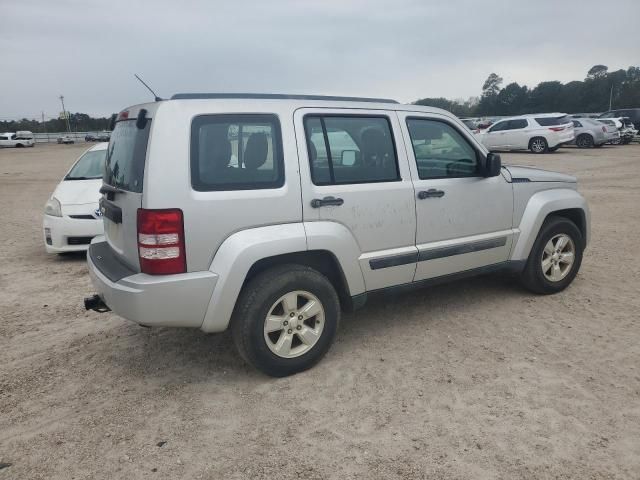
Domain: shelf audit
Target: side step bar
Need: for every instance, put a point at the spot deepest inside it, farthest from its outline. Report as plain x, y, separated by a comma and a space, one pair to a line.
96, 304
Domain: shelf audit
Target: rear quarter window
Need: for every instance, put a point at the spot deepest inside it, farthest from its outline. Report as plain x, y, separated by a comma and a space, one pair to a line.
553, 121
236, 152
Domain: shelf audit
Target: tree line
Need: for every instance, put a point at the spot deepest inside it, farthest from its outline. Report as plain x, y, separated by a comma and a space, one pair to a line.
590, 95
78, 122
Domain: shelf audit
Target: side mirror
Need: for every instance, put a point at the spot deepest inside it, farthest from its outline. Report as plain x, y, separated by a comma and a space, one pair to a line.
348, 158
492, 165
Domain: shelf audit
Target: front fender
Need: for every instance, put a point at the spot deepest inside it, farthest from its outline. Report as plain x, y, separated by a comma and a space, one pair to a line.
539, 206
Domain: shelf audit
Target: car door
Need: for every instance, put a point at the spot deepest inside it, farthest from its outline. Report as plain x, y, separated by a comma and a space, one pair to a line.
516, 135
495, 137
355, 179
464, 220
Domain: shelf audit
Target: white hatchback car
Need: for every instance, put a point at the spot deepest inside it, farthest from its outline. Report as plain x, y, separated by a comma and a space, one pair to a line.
71, 216
540, 133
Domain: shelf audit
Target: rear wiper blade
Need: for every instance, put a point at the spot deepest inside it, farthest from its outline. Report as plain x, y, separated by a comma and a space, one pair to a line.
81, 178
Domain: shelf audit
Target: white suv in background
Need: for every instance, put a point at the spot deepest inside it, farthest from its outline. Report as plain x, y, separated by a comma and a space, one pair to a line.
540, 133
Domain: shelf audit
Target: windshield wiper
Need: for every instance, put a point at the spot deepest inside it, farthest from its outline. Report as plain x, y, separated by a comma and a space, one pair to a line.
82, 178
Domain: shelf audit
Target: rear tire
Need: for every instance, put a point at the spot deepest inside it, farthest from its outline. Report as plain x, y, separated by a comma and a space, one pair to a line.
584, 140
552, 265
285, 319
538, 145
19, 145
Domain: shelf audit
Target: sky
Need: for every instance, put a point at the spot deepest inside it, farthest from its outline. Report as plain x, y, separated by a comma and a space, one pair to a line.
89, 50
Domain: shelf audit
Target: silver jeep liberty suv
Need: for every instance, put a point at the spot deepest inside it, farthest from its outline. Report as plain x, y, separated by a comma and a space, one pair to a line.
272, 214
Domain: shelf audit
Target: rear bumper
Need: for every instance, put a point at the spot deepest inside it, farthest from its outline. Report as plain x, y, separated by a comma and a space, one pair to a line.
150, 300
558, 139
62, 234
611, 136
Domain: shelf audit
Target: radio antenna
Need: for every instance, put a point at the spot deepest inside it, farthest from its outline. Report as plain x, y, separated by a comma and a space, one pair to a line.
157, 98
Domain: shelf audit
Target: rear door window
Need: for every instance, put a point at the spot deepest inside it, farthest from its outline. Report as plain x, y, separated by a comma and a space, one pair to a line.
236, 152
350, 149
126, 153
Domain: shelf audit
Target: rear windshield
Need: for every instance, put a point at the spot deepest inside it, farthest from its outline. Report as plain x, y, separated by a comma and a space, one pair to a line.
553, 121
124, 165
89, 166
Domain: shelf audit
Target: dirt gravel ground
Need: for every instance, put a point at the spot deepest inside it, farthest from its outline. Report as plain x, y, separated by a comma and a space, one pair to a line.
475, 379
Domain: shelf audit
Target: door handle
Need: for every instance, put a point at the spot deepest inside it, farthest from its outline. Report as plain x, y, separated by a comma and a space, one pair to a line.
431, 193
326, 202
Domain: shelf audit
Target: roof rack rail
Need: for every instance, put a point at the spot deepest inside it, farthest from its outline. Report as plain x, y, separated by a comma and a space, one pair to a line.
277, 96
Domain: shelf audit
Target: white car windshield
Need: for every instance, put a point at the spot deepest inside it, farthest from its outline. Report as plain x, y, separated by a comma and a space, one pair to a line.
89, 166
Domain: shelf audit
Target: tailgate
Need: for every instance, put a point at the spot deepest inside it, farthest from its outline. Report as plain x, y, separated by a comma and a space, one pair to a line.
123, 186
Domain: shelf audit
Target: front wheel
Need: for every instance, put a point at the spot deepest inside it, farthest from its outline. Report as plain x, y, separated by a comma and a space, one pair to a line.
538, 145
555, 257
286, 319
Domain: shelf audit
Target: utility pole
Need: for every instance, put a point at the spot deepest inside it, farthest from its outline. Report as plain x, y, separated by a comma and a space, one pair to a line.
64, 112
44, 127
610, 96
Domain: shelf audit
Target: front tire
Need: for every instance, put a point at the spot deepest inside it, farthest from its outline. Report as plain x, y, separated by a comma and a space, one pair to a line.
555, 257
285, 319
538, 145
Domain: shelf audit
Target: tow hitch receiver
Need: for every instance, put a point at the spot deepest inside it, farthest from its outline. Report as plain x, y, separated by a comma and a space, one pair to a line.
96, 304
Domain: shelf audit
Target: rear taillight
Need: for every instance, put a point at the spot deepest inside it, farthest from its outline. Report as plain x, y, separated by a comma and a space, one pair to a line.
161, 241
556, 129
604, 129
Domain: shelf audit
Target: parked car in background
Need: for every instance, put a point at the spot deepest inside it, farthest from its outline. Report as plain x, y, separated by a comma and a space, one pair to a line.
470, 124
25, 135
271, 221
8, 140
623, 126
592, 133
91, 137
632, 113
628, 130
540, 133
103, 136
71, 216
66, 139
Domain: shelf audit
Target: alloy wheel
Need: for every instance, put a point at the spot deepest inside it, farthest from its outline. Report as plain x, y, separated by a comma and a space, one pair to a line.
538, 145
294, 324
558, 257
